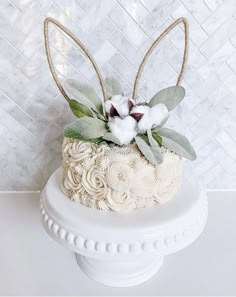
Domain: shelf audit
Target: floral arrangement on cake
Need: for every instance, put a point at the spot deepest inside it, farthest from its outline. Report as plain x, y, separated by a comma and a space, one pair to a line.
117, 154
120, 121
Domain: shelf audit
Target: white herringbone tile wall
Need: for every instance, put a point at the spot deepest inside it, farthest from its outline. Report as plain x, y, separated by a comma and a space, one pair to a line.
117, 32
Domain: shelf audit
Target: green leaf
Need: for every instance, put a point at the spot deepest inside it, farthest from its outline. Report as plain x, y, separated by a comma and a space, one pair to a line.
79, 110
144, 137
155, 147
171, 97
85, 128
111, 138
99, 116
85, 94
148, 151
157, 138
177, 143
113, 86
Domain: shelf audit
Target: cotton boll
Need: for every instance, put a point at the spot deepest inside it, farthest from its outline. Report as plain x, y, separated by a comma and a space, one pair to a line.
123, 129
121, 104
110, 109
145, 122
158, 113
140, 109
108, 106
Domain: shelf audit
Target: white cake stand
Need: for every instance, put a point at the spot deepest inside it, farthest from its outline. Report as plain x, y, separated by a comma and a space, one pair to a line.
124, 250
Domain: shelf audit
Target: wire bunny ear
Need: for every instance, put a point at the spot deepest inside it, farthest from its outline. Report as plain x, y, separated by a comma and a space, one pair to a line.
155, 43
80, 44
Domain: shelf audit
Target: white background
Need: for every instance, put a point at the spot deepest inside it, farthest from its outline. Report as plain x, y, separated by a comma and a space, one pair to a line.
117, 32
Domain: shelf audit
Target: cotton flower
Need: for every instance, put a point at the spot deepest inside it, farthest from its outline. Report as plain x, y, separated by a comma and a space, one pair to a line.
124, 129
158, 113
119, 105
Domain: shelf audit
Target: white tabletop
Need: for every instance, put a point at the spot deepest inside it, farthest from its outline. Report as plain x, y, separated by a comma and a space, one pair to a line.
31, 263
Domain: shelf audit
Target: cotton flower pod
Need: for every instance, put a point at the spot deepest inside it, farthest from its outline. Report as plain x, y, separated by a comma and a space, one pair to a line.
120, 103
124, 129
137, 112
158, 113
108, 106
110, 109
144, 123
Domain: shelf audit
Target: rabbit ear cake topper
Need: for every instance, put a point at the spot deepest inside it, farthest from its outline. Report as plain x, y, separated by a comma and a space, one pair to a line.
89, 56
80, 44
115, 141
156, 42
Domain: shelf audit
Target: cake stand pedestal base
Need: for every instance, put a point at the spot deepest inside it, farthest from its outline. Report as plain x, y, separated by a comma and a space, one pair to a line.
124, 249
120, 273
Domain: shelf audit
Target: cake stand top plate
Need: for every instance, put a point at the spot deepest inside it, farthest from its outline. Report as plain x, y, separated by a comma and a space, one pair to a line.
178, 222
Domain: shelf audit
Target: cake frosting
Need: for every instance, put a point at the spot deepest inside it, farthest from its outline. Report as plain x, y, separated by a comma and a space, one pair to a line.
117, 178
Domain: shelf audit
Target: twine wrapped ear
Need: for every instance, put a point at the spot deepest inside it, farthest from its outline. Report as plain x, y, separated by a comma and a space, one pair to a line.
80, 44
156, 42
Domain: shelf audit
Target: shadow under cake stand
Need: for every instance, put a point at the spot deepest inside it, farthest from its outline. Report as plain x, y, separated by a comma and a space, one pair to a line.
118, 249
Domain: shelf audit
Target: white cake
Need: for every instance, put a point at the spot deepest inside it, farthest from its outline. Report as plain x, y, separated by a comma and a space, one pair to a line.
117, 178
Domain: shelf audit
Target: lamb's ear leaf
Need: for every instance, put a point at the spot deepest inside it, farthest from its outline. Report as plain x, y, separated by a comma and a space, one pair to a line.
85, 94
177, 143
148, 151
98, 115
75, 135
113, 86
71, 87
170, 96
155, 147
111, 138
144, 137
157, 138
85, 128
79, 110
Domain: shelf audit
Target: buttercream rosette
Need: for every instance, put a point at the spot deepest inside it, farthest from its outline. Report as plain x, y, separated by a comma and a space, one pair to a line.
117, 178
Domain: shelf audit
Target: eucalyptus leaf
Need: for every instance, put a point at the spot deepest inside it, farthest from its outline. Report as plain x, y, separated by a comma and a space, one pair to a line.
85, 94
113, 86
177, 143
148, 151
171, 97
111, 138
85, 128
79, 110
